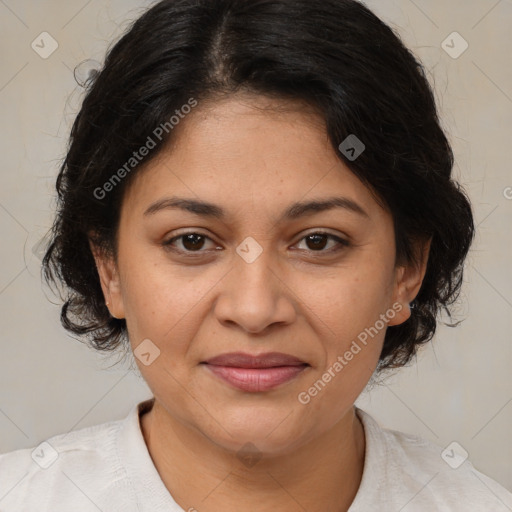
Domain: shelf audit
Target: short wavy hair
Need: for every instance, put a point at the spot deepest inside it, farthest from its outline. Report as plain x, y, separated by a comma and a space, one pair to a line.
335, 55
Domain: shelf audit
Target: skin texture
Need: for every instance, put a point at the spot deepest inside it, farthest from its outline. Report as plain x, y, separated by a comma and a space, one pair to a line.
297, 297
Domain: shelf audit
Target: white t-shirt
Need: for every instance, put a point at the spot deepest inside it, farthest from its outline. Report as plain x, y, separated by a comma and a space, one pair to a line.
108, 468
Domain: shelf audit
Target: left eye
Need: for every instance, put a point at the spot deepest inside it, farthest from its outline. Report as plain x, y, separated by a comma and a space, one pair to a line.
318, 241
194, 242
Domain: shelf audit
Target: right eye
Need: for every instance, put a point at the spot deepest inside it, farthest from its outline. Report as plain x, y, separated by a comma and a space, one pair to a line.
191, 242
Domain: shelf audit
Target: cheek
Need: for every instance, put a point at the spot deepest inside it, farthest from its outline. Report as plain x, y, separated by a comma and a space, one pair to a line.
166, 303
348, 301
346, 315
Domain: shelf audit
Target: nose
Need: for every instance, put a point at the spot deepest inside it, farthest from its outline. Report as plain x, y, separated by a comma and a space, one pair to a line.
255, 296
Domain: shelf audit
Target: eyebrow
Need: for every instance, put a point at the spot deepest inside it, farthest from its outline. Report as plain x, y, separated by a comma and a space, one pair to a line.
294, 211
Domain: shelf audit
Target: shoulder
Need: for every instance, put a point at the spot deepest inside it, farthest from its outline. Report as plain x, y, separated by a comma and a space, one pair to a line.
32, 478
411, 473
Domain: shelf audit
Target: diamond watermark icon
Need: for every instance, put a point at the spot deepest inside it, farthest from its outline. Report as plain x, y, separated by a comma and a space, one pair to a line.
44, 45
44, 455
249, 455
352, 147
146, 352
34, 250
249, 250
454, 45
454, 455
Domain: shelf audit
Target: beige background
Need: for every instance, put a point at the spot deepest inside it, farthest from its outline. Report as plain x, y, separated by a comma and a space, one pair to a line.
459, 390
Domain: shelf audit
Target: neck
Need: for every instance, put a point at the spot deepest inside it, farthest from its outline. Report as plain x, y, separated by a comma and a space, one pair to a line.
323, 474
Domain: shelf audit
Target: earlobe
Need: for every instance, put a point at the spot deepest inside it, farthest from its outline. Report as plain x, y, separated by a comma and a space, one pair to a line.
402, 313
409, 278
109, 280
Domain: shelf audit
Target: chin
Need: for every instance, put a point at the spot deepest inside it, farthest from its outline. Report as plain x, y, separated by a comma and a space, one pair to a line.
270, 431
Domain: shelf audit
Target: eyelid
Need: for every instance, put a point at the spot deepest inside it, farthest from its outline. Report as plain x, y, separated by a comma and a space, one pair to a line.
167, 243
321, 231
341, 241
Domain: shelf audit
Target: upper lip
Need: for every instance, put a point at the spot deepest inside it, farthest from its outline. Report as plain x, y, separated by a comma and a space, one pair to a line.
243, 360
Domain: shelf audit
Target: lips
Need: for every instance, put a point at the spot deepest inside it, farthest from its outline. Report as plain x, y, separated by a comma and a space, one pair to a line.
267, 360
255, 373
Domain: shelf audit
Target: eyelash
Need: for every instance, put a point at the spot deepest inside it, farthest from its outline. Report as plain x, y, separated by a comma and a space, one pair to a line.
342, 243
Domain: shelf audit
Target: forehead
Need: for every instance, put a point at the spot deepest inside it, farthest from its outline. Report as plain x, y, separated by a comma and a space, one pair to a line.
248, 151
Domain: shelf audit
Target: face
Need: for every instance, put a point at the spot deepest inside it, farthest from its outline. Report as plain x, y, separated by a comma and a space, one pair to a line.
255, 271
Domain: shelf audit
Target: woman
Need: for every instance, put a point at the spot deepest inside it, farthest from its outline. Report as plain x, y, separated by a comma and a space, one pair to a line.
257, 201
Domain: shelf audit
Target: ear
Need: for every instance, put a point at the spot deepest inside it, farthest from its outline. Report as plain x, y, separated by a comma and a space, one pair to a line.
408, 280
109, 279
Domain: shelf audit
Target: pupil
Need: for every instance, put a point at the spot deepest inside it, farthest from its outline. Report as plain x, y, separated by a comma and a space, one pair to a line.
316, 239
193, 240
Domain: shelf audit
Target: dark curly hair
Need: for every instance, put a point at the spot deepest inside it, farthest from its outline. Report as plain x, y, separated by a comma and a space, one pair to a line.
335, 55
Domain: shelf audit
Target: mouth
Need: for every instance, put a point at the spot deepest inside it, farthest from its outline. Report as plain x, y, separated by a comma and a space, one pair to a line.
255, 373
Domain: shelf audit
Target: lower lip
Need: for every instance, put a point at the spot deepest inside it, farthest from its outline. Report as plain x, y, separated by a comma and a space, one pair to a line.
256, 379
